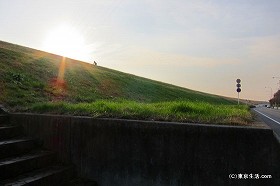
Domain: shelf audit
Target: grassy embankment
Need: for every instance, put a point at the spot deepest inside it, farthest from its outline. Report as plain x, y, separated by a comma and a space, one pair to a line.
180, 111
28, 82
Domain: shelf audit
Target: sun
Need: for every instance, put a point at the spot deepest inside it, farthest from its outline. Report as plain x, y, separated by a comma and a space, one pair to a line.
65, 40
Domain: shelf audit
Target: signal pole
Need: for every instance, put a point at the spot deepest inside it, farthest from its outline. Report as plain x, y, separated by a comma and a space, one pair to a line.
238, 90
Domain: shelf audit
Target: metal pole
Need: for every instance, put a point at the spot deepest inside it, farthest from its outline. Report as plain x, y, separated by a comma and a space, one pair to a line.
238, 98
270, 91
279, 81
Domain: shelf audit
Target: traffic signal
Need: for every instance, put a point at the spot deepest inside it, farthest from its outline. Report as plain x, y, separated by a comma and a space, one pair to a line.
238, 81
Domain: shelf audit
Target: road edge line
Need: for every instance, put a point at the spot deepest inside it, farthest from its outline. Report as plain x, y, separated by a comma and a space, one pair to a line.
267, 116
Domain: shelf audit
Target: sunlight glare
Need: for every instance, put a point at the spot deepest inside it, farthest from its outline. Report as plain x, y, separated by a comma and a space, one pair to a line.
67, 41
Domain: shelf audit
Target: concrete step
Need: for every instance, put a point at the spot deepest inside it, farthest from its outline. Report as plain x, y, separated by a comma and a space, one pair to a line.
50, 176
22, 164
13, 147
3, 119
11, 167
7, 132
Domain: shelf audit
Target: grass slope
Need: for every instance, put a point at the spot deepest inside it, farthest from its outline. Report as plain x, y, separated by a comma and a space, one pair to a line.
29, 77
179, 111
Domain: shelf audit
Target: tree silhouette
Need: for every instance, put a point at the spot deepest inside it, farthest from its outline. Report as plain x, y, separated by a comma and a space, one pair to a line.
276, 99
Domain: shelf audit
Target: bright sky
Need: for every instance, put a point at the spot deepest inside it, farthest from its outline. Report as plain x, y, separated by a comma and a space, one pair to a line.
203, 45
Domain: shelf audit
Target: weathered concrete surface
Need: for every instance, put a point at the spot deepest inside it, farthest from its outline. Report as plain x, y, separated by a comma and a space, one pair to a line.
122, 152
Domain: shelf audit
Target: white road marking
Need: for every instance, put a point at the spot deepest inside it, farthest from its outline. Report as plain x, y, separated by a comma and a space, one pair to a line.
268, 117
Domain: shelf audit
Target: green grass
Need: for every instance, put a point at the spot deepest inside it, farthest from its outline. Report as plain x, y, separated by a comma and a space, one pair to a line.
28, 77
180, 111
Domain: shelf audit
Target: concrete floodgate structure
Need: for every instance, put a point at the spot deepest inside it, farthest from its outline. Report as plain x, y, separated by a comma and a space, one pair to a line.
132, 153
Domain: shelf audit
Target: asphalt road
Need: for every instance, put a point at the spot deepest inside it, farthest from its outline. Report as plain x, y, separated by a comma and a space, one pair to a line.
271, 117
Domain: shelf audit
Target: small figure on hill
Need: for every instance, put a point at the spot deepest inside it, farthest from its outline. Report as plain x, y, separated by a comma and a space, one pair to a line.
95, 63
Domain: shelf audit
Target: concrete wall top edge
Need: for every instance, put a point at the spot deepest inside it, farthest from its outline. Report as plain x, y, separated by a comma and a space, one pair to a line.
143, 122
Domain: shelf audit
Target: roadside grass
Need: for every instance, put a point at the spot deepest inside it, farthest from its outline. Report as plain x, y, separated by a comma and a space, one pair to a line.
179, 111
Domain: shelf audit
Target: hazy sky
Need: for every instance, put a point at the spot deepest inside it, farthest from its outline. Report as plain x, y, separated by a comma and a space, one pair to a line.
202, 45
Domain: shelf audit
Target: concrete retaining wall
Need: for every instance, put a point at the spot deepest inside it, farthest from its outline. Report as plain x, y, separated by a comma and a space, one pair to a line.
131, 153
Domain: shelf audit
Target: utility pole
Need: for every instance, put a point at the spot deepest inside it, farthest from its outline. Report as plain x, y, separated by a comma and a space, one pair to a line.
270, 91
278, 82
